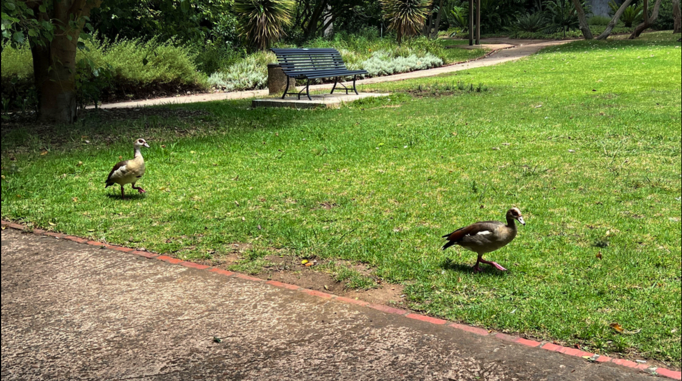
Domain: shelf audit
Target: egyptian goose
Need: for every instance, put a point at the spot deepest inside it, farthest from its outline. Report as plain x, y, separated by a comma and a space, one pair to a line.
129, 171
484, 237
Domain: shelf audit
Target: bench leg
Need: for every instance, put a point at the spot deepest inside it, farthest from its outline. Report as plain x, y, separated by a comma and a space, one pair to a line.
336, 80
355, 88
286, 89
307, 90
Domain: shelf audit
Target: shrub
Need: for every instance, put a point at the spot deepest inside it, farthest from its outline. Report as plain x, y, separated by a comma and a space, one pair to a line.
249, 73
215, 56
562, 16
531, 23
665, 20
599, 20
105, 68
383, 63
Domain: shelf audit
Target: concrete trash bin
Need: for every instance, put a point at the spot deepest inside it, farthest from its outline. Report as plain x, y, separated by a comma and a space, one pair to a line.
277, 80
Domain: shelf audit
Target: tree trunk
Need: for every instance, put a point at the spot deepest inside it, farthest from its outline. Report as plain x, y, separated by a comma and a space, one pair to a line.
647, 20
54, 61
315, 19
605, 34
584, 27
427, 22
434, 34
677, 15
54, 66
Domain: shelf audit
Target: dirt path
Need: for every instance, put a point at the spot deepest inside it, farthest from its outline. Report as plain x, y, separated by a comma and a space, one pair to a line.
76, 311
520, 49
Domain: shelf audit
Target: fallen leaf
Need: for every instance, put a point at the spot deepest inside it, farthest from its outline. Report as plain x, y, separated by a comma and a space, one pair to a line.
50, 223
120, 158
43, 153
599, 255
308, 264
75, 199
79, 163
616, 327
303, 262
325, 287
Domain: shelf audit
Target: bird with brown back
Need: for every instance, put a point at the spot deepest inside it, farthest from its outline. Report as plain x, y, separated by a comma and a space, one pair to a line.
486, 236
129, 171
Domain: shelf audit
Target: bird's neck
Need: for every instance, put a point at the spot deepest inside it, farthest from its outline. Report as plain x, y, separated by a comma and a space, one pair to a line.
137, 154
511, 223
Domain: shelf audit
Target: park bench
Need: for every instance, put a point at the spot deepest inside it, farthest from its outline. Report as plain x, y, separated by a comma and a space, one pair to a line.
314, 63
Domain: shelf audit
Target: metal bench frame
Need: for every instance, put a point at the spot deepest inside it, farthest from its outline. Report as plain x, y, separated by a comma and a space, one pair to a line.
314, 63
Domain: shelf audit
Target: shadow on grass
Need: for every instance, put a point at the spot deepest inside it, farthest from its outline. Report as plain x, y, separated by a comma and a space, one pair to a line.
448, 264
132, 196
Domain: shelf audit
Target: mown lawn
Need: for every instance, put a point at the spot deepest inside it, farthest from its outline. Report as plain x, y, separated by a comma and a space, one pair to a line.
583, 138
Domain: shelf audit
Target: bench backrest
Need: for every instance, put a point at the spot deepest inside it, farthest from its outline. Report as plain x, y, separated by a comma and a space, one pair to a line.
299, 61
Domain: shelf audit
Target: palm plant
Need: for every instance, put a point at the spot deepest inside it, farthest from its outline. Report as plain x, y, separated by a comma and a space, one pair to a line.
530, 22
406, 17
262, 22
562, 15
459, 17
632, 14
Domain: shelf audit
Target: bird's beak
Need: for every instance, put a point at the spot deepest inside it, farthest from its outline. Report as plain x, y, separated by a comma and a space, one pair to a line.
146, 145
521, 220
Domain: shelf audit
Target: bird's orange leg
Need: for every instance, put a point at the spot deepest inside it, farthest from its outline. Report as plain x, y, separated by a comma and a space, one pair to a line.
139, 189
497, 266
477, 269
123, 196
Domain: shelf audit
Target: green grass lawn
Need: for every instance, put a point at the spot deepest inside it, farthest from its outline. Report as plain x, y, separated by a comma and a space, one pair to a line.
583, 138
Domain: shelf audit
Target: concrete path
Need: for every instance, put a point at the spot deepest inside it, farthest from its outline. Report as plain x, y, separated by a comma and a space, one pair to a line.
77, 312
522, 48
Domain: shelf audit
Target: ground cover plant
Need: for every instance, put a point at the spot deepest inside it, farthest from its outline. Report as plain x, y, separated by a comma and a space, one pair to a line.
584, 138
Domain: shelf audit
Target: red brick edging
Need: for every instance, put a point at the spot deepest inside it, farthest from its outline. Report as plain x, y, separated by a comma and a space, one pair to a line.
675, 375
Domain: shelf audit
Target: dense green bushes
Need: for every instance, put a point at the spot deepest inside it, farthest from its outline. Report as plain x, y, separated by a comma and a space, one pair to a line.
108, 71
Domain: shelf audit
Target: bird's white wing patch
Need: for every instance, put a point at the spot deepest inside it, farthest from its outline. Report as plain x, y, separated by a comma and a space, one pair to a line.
120, 172
484, 232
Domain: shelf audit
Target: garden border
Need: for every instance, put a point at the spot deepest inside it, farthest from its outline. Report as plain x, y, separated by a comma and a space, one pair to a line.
592, 357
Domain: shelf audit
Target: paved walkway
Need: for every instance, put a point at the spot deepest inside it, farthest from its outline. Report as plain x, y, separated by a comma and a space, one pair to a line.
520, 49
77, 312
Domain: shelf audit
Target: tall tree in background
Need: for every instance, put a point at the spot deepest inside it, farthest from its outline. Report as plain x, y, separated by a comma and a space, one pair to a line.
605, 34
439, 16
262, 22
648, 20
406, 17
315, 16
584, 27
677, 15
53, 28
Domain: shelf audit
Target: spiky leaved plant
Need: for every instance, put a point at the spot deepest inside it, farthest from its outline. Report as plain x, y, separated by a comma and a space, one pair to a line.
262, 22
406, 17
